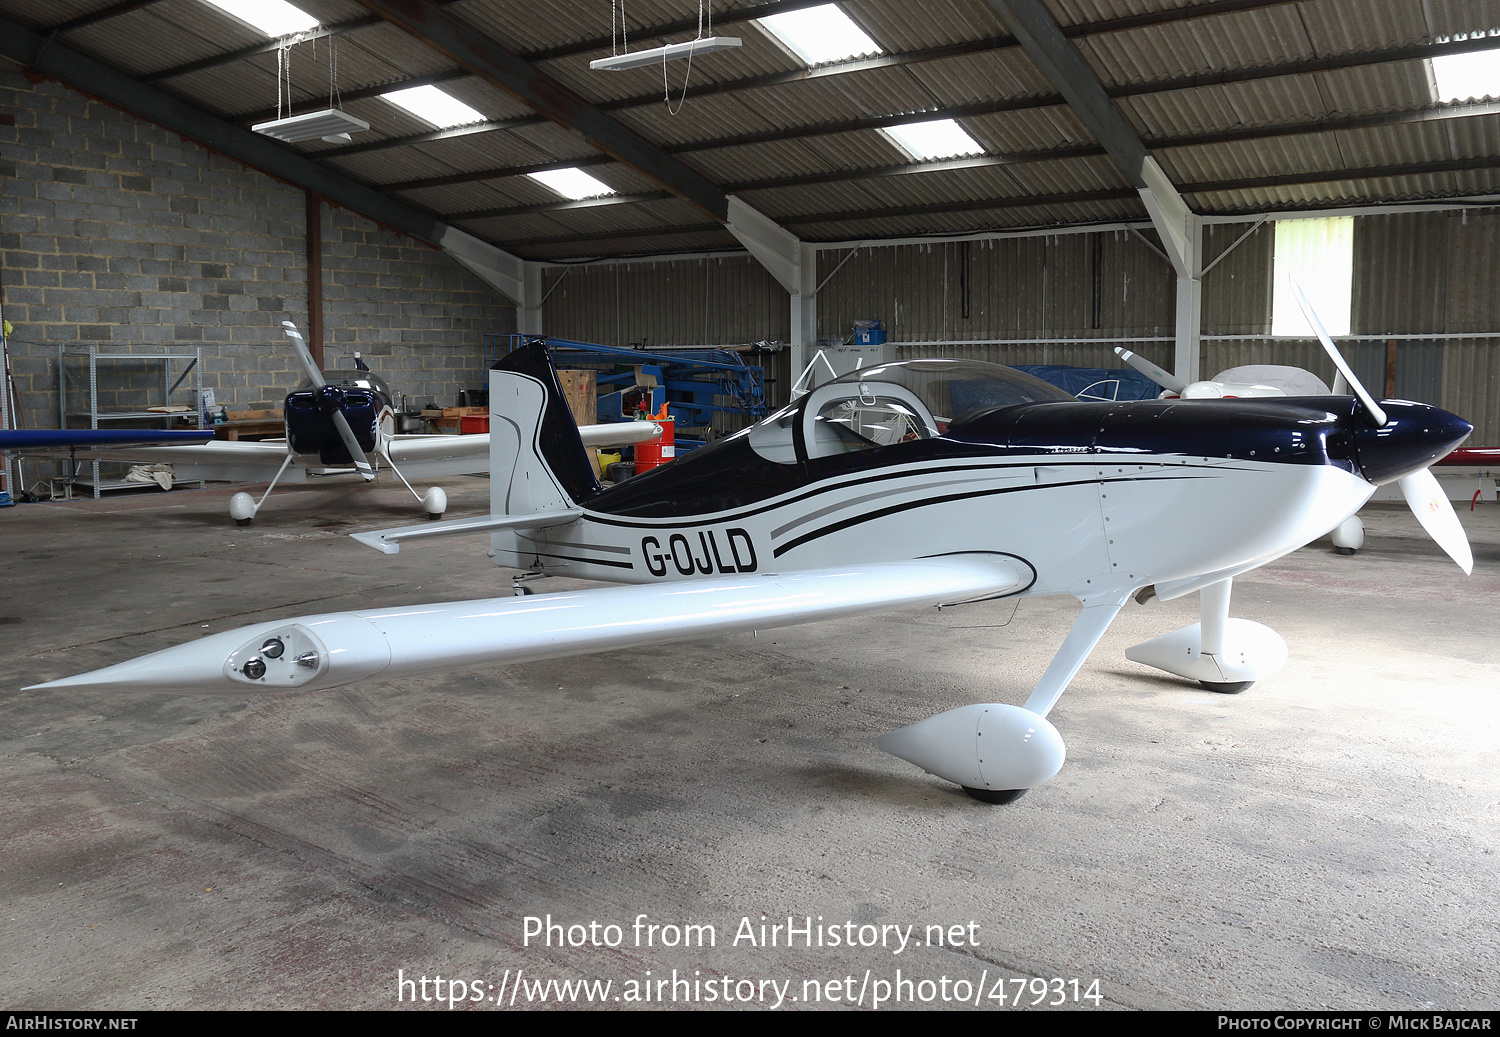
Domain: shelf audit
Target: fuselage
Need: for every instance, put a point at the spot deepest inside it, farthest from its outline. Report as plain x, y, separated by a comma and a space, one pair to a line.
1080, 493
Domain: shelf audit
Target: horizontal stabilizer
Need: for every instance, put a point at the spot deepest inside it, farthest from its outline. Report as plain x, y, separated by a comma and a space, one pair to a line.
428, 456
388, 541
619, 433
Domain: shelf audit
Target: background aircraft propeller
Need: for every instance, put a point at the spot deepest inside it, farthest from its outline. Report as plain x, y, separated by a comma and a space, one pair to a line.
1423, 495
340, 422
1163, 378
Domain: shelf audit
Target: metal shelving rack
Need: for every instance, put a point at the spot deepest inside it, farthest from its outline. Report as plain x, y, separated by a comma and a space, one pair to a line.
65, 382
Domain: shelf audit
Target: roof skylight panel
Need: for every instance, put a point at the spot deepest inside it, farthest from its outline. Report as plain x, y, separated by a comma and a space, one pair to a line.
573, 183
819, 35
275, 18
939, 138
432, 105
1458, 77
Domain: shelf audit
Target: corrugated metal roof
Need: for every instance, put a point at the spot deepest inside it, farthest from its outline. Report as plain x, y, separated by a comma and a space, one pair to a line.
169, 33
978, 77
163, 35
927, 24
54, 12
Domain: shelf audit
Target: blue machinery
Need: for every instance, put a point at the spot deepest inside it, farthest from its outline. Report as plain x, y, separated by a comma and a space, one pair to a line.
697, 385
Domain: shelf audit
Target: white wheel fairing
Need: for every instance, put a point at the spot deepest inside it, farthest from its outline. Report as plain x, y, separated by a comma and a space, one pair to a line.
988, 745
1251, 652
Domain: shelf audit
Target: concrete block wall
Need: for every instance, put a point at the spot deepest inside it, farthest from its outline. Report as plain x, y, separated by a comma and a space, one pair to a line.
418, 318
117, 233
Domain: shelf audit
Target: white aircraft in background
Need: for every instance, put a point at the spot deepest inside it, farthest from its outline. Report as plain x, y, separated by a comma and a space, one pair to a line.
922, 482
345, 421
1256, 380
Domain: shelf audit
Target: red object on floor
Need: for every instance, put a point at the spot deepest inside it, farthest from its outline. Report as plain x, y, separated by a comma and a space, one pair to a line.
658, 451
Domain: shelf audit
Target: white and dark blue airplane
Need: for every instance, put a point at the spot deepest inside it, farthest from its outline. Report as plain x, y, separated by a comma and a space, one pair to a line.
342, 420
916, 483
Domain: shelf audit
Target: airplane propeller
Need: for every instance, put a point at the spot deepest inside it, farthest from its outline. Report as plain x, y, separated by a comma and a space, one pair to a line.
340, 422
1377, 414
1423, 495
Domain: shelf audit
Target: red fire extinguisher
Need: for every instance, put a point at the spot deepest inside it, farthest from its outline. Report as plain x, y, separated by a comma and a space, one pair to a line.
659, 451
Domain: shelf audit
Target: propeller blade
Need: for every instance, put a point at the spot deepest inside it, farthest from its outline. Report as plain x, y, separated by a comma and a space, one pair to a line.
1165, 379
304, 354
1430, 504
356, 454
1377, 415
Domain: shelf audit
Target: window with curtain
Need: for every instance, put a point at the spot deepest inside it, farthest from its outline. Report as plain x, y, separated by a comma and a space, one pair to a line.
1320, 255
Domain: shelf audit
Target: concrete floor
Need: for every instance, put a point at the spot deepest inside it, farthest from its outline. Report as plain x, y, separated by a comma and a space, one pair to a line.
1326, 839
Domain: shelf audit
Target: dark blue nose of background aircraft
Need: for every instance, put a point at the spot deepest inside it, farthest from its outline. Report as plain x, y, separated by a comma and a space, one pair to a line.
1413, 437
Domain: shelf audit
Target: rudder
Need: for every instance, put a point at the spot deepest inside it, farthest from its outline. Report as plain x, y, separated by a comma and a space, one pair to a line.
537, 459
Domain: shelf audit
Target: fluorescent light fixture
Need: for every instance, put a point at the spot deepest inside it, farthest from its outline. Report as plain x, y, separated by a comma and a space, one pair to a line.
432, 105
331, 125
272, 17
657, 55
573, 183
819, 35
1459, 77
940, 138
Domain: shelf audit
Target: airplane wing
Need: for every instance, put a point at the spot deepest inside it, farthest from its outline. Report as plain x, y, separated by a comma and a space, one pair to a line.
24, 441
220, 460
327, 651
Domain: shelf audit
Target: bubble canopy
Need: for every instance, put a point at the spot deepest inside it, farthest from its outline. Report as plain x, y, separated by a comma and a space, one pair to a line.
893, 403
956, 390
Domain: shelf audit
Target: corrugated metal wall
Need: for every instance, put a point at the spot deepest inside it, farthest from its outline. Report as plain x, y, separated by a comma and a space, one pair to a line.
1237, 287
716, 301
1091, 286
1471, 367
1433, 273
1415, 273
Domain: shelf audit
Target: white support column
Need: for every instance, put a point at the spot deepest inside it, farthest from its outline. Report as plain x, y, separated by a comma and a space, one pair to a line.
1190, 311
497, 268
805, 308
1181, 232
529, 312
793, 264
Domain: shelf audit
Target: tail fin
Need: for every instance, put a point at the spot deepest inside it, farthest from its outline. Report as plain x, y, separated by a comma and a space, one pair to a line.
537, 460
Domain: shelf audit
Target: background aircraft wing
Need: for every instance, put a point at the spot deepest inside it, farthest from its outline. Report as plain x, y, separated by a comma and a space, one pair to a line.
25, 441
217, 460
266, 452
